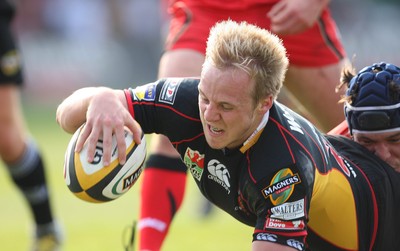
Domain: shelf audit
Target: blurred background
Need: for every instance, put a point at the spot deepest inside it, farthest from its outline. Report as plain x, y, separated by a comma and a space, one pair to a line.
68, 44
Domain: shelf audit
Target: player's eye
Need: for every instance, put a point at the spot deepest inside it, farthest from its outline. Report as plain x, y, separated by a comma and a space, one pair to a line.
394, 140
366, 141
227, 107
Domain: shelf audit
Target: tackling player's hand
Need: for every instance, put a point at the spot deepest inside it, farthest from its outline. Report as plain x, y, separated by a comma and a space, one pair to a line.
295, 16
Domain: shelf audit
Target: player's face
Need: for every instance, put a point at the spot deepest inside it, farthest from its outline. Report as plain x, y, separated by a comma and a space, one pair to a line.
385, 145
227, 110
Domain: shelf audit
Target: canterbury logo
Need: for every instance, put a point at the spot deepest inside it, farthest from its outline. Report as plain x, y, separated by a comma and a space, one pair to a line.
219, 174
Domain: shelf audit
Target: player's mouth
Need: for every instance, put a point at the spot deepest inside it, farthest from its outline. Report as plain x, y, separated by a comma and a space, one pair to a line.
215, 130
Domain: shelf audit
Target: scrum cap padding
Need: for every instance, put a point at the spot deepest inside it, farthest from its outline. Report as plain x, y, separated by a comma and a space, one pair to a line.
375, 103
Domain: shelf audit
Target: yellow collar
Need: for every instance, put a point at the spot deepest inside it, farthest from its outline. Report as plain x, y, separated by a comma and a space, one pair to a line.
256, 134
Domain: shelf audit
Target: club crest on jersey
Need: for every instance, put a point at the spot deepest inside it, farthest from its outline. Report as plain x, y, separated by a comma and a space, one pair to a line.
146, 92
169, 89
195, 162
281, 186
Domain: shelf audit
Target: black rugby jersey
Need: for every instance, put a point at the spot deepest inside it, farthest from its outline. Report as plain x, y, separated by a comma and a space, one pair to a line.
288, 181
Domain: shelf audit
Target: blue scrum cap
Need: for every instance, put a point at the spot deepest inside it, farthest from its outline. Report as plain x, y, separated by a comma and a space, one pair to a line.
375, 103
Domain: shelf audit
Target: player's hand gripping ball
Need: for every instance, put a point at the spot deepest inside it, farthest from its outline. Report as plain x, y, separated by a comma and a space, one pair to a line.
93, 182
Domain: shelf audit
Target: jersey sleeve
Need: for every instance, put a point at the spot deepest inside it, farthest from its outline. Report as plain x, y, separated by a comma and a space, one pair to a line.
282, 208
168, 107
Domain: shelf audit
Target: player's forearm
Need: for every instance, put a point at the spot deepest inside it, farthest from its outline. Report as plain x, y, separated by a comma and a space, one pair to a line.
71, 113
270, 246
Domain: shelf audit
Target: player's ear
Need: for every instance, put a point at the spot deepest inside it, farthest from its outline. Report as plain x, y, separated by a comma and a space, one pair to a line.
265, 104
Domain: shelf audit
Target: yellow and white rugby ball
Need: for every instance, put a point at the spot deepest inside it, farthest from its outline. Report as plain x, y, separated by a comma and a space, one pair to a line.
93, 182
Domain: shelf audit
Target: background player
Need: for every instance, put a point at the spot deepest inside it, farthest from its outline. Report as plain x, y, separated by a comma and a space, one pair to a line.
372, 104
316, 57
17, 149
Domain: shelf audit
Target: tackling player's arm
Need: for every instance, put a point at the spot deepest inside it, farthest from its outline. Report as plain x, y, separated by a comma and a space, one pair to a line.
295, 16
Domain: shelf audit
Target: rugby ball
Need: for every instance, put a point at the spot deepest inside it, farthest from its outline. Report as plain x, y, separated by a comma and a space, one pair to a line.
94, 182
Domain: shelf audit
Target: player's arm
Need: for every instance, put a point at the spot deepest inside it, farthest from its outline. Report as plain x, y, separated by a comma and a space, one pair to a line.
264, 246
278, 228
71, 113
105, 112
295, 16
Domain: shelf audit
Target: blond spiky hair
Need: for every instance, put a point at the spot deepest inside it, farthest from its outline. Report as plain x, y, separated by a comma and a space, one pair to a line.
256, 51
